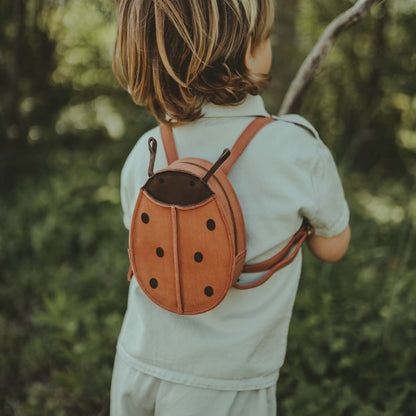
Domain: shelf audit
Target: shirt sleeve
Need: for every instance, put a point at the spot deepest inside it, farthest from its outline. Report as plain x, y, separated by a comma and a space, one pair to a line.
125, 206
125, 198
329, 213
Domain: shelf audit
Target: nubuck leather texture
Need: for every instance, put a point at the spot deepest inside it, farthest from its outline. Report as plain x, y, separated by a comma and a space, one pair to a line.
187, 241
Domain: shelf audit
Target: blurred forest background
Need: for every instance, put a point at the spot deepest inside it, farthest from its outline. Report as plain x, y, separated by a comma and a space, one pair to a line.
66, 128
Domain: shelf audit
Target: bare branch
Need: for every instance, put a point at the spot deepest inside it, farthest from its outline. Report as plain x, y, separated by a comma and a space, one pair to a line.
321, 49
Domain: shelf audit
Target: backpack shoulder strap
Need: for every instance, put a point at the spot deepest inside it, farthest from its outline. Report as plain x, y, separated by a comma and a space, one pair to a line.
168, 143
245, 138
281, 259
238, 148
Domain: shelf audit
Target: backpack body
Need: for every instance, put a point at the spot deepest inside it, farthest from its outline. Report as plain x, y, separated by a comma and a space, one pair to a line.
187, 241
187, 248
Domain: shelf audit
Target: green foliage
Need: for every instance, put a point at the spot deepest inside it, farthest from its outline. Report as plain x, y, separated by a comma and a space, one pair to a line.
63, 246
354, 324
62, 295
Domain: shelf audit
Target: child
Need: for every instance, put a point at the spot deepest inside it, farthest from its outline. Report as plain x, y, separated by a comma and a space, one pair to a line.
199, 65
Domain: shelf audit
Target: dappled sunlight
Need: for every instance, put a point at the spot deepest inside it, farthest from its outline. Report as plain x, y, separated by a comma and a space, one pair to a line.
403, 6
85, 37
99, 112
27, 105
35, 133
406, 134
407, 139
109, 192
381, 208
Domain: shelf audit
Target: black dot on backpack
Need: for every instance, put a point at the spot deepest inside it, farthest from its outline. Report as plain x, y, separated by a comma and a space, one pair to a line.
209, 291
161, 180
192, 183
153, 283
145, 218
160, 252
211, 225
198, 257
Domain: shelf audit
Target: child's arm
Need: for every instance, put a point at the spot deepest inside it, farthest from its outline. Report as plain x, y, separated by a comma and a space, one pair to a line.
330, 248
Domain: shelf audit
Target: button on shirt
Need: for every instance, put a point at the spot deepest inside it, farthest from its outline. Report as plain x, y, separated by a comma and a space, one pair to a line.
286, 173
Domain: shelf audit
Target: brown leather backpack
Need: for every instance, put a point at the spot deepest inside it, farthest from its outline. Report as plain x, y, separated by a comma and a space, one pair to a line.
187, 242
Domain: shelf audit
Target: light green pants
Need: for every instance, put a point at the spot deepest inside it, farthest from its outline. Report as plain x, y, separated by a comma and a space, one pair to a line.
137, 394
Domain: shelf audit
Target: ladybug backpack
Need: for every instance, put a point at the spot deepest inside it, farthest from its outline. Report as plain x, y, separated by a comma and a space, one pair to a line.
187, 242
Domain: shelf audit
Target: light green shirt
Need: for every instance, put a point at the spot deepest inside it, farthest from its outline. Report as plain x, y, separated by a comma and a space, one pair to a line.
286, 173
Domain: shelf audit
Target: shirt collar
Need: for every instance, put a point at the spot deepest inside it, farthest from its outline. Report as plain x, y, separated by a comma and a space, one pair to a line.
252, 106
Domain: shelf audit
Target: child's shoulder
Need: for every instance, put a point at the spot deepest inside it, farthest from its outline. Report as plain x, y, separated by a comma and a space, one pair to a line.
142, 144
139, 153
299, 125
292, 135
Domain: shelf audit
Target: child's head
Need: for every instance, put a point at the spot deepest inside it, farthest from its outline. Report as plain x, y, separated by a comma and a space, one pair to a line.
172, 55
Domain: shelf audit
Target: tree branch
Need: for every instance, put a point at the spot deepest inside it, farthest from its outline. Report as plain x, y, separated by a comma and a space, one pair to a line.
321, 49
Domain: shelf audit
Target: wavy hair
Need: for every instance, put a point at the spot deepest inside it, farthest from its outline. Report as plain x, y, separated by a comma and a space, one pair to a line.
174, 55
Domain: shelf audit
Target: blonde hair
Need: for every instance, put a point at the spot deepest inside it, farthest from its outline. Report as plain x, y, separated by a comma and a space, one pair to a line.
174, 55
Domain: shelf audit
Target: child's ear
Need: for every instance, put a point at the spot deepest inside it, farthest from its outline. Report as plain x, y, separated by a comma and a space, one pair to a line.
248, 57
259, 60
